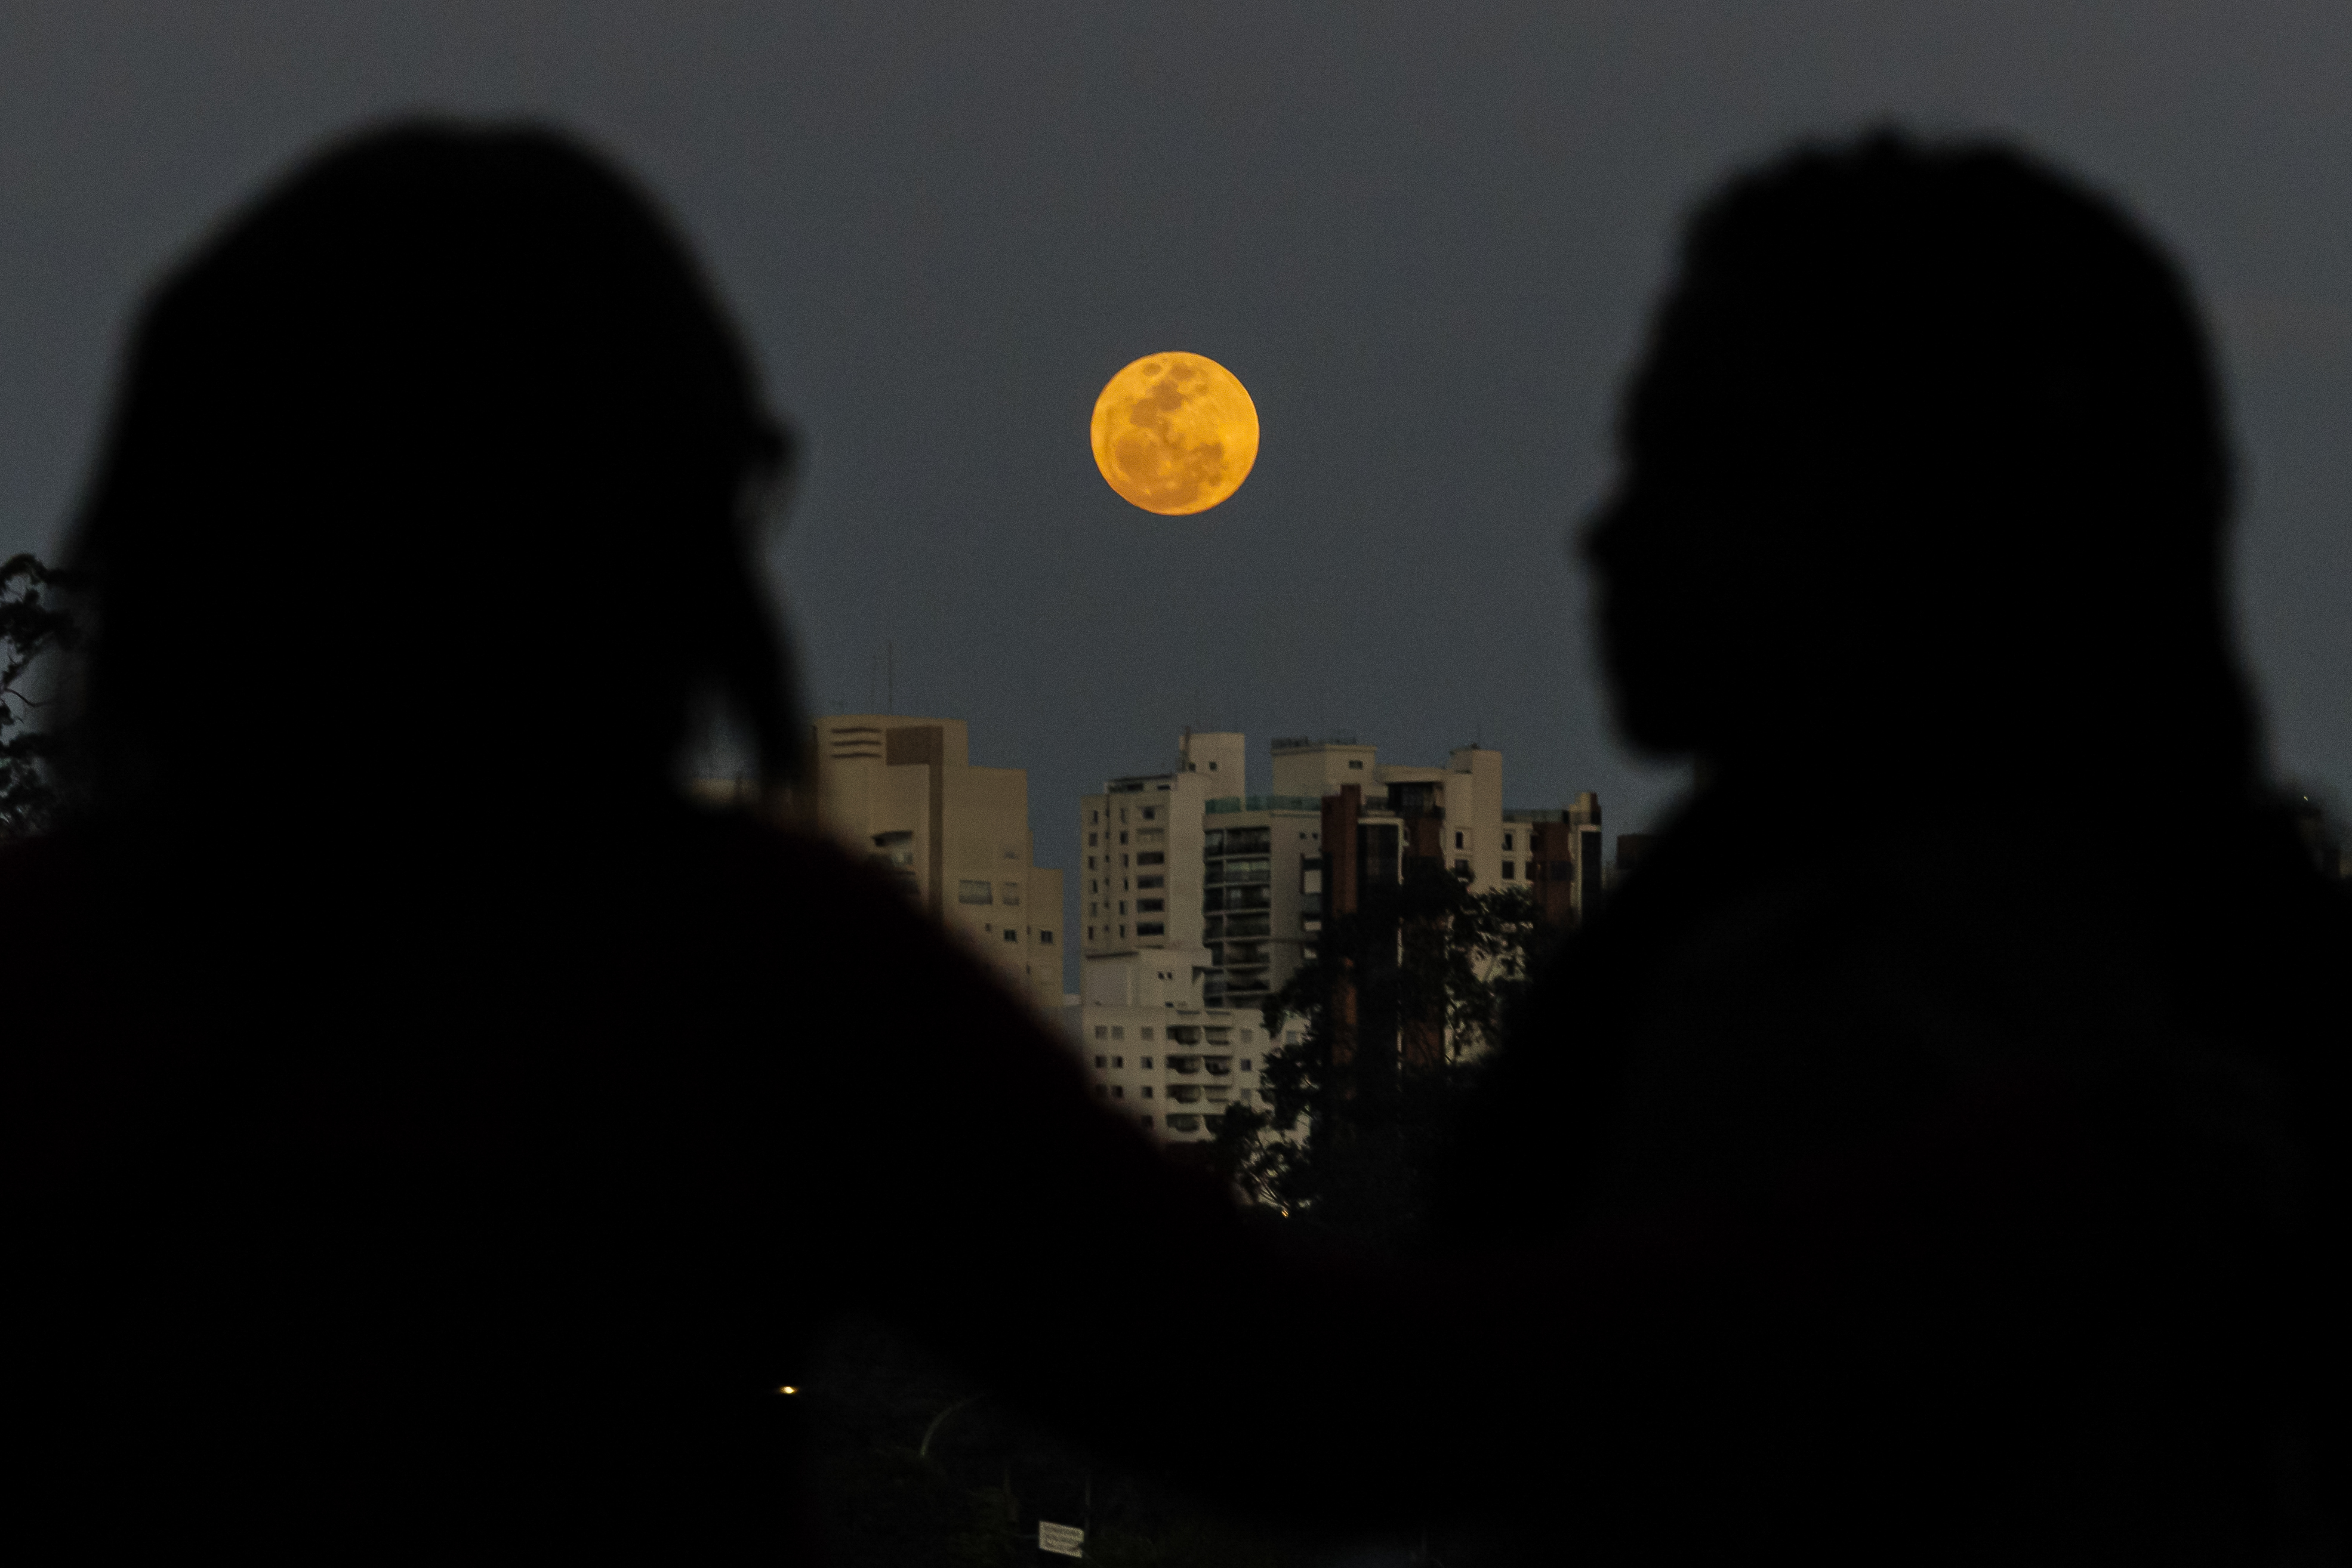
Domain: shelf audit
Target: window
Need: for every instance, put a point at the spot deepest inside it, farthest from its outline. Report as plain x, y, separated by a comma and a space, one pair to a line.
1118, 1091
1100, 1061
1090, 862
1093, 886
1122, 907
1090, 932
1122, 838
1355, 763
1146, 1061
1245, 1063
1100, 1033
1152, 857
1122, 817
1507, 842
1458, 841
1149, 905
1122, 860
1290, 1038
1010, 934
1118, 1061
1152, 928
1144, 1033
1510, 870
1044, 938
1151, 882
1183, 1123
1117, 1032
1147, 1092
975, 891
1094, 817
1147, 811
1122, 930
1090, 841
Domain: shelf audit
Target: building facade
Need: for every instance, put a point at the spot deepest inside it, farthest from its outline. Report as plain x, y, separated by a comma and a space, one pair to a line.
901, 792
1199, 899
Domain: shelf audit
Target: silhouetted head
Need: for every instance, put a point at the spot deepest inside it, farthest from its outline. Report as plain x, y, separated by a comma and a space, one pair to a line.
433, 473
1925, 461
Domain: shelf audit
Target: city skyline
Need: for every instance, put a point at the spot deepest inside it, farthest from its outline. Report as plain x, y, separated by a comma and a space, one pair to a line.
1429, 252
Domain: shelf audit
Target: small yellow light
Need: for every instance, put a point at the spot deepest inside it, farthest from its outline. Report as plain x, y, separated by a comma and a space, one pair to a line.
788, 1388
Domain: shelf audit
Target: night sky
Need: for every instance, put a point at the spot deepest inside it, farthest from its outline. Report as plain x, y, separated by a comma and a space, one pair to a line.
1426, 239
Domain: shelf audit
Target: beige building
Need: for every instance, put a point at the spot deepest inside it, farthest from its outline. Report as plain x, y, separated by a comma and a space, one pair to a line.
1198, 900
1155, 1052
902, 794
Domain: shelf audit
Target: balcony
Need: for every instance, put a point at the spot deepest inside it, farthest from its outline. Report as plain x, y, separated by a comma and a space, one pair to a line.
1180, 1123
1184, 1093
1184, 1064
1230, 803
1218, 1066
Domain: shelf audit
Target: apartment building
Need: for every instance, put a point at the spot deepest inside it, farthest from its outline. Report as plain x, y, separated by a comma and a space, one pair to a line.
1560, 857
1155, 1049
1199, 899
901, 792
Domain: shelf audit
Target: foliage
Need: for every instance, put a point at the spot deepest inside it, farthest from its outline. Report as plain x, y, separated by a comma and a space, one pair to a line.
1400, 1002
34, 622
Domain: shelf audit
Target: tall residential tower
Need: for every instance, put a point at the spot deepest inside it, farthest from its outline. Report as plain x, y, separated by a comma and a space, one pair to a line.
1198, 900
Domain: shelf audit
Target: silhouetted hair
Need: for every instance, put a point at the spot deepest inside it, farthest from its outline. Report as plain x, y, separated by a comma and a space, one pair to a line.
440, 458
1965, 410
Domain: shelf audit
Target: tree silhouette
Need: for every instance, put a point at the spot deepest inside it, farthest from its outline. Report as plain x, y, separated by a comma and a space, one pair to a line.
1401, 1002
34, 620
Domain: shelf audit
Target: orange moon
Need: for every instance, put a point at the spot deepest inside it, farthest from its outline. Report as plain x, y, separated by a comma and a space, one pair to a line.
1175, 433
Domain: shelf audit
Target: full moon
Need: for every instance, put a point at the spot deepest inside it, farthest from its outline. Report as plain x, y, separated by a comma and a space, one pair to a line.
1175, 433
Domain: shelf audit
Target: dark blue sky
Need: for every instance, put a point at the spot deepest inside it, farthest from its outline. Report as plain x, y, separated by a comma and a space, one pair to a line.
1424, 238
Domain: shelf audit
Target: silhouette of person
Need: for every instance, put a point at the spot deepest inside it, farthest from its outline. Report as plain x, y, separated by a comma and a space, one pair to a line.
430, 1138
1963, 1031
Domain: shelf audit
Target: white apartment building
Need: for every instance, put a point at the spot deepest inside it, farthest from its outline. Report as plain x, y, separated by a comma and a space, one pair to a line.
901, 792
1199, 899
1155, 1050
